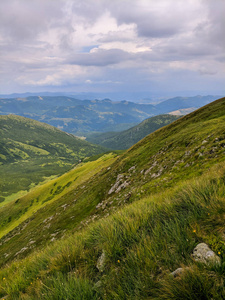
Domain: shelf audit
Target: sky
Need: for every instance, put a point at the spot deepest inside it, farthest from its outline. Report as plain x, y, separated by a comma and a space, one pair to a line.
142, 47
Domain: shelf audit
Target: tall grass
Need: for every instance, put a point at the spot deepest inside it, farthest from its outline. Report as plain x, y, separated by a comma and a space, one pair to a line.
143, 244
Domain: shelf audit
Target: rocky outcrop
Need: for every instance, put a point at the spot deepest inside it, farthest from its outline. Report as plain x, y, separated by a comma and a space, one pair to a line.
119, 185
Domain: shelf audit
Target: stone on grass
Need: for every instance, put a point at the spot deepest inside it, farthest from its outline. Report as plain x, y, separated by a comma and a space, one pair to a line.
177, 272
202, 253
101, 262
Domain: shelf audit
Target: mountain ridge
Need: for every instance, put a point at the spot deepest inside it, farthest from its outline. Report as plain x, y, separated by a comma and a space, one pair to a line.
82, 116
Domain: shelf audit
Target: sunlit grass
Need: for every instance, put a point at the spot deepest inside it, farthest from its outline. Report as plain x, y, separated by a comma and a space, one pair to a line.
75, 177
143, 243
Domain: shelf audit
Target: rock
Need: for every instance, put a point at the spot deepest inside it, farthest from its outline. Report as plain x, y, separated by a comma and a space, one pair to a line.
177, 272
202, 253
152, 166
132, 169
98, 285
64, 206
119, 185
116, 185
101, 262
122, 186
21, 251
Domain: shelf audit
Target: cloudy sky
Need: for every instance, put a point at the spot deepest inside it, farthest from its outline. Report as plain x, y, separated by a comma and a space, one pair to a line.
163, 47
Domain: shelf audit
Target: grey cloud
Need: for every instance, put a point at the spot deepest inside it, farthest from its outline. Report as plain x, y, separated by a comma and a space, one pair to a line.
118, 36
204, 71
191, 30
210, 32
21, 20
89, 11
149, 28
151, 20
99, 58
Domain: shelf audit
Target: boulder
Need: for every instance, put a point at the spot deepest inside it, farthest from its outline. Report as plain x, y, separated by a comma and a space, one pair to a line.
202, 253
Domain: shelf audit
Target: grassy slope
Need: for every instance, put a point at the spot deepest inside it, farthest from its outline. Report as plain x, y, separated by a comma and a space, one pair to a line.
37, 149
142, 243
48, 193
184, 149
127, 138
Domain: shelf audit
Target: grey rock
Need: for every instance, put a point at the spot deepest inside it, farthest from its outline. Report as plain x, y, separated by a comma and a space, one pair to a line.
21, 251
98, 285
132, 169
177, 272
202, 253
101, 262
119, 181
152, 166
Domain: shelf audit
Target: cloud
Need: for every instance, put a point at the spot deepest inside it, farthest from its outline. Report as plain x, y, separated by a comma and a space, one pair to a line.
22, 20
119, 44
100, 57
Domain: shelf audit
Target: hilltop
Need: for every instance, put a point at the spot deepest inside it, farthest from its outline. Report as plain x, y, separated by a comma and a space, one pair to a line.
153, 204
127, 138
40, 150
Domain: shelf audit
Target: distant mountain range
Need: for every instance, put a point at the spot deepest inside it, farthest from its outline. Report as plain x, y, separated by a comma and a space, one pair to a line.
82, 116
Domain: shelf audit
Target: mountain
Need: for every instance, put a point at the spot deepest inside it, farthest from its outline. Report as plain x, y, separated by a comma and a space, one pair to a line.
178, 103
78, 116
117, 227
30, 151
127, 138
82, 116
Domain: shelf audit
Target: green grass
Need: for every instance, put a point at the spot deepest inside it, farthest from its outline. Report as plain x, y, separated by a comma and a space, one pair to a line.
23, 208
143, 243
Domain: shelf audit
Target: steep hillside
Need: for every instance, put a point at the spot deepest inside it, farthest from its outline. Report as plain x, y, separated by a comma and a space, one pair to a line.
130, 254
133, 253
37, 149
129, 137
